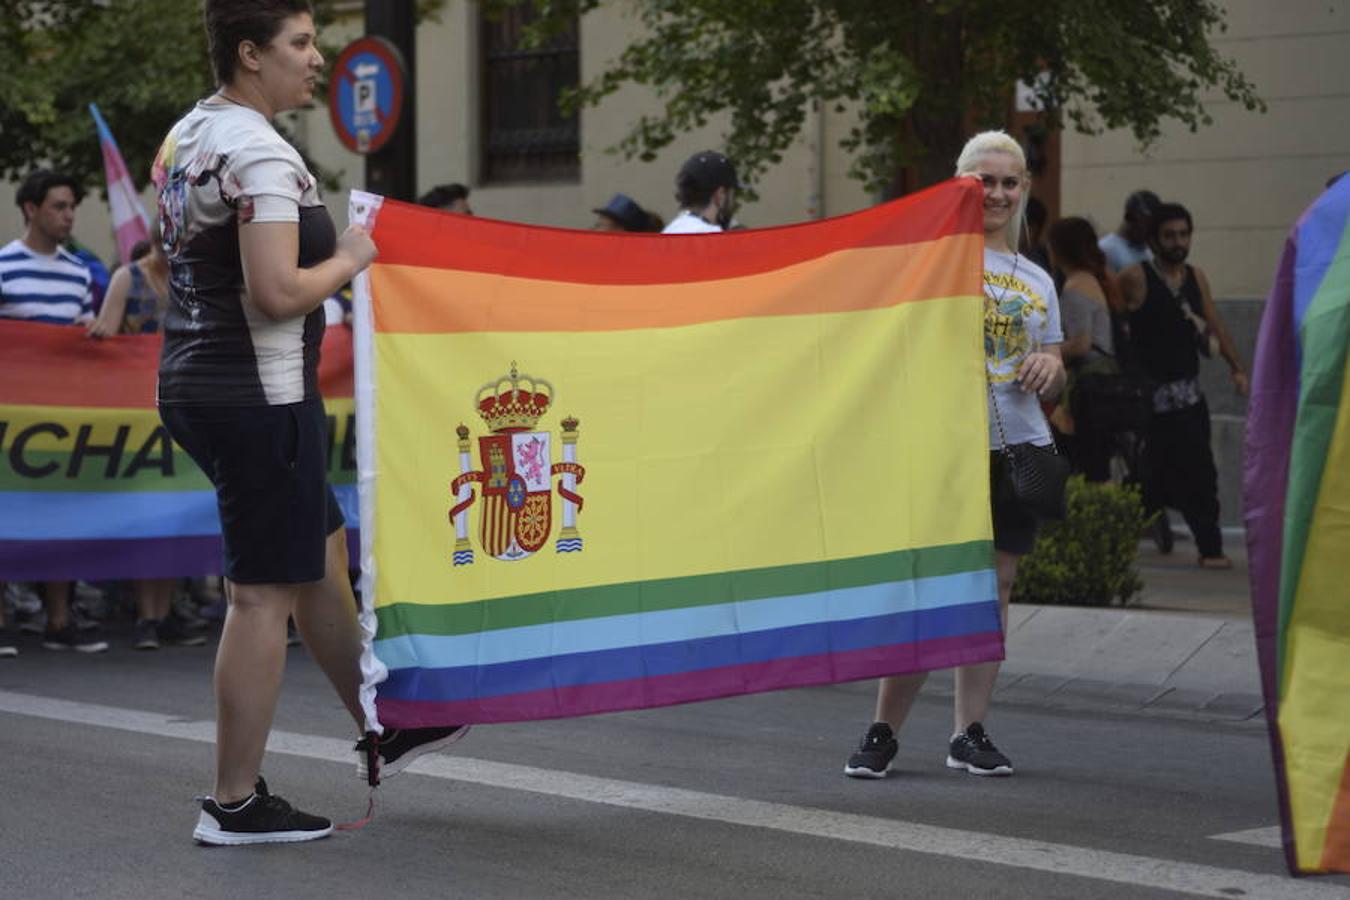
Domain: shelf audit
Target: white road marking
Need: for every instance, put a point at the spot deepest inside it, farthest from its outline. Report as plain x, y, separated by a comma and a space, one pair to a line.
1260, 837
967, 846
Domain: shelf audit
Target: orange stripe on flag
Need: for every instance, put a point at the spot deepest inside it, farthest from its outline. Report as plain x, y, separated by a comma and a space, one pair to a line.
412, 300
1336, 850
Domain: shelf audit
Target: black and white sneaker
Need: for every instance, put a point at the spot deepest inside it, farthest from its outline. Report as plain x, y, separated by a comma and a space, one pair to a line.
145, 635
973, 751
70, 638
263, 818
873, 757
398, 747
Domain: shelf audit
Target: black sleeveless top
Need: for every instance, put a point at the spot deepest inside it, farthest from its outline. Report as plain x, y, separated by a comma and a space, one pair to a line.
1162, 338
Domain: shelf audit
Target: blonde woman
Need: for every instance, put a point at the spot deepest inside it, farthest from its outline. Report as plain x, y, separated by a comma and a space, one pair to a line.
1021, 342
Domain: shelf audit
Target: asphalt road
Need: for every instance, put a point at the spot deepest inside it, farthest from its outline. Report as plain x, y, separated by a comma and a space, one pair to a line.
737, 798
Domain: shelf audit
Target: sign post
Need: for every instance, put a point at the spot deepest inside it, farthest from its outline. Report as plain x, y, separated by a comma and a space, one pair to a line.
371, 90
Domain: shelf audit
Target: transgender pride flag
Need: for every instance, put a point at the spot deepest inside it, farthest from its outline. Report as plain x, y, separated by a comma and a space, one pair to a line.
128, 215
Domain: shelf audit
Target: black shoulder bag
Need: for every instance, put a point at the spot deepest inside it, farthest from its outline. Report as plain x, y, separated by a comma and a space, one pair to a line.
1036, 475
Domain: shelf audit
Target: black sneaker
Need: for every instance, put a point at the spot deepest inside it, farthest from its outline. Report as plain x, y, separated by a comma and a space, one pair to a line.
69, 638
261, 819
973, 751
145, 636
400, 746
873, 757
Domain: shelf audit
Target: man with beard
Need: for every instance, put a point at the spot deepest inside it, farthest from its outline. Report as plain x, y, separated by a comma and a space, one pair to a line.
1173, 321
705, 188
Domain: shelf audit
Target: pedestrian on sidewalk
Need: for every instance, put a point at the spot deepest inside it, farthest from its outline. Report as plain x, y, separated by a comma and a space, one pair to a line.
1173, 322
254, 255
705, 188
1129, 243
1021, 341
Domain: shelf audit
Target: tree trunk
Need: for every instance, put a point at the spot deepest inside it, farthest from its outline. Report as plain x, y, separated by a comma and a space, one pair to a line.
934, 131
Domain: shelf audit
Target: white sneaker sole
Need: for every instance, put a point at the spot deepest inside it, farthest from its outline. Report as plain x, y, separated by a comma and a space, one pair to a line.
389, 770
214, 837
1000, 771
864, 772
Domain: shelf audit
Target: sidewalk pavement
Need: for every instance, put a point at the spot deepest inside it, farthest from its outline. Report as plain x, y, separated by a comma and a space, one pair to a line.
1183, 646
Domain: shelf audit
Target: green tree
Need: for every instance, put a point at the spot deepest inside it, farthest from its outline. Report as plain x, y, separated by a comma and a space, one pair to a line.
918, 73
144, 62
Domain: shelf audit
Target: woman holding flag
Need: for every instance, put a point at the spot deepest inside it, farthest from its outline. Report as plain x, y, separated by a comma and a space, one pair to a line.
252, 256
1021, 338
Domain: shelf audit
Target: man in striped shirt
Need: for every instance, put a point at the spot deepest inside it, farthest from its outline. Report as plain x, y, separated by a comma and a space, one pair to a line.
41, 281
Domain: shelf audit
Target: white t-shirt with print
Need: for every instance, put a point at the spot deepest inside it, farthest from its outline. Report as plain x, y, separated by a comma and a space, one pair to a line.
1021, 314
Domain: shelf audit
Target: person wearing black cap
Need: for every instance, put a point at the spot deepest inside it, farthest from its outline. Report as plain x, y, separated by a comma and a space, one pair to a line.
622, 213
705, 188
1128, 244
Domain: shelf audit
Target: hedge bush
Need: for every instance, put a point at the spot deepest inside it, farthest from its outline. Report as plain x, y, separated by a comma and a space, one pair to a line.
1089, 558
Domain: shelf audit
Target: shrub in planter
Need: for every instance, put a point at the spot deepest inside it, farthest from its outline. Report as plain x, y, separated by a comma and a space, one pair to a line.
1089, 558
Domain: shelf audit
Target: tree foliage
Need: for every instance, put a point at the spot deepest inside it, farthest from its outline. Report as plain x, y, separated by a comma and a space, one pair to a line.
144, 62
917, 74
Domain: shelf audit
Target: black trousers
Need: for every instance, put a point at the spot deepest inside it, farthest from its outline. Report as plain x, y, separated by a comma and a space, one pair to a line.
1178, 471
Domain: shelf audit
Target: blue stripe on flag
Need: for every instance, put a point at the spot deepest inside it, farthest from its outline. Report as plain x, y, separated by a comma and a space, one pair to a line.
685, 624
58, 515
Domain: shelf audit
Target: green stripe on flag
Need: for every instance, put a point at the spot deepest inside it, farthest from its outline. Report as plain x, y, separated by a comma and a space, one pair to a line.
399, 619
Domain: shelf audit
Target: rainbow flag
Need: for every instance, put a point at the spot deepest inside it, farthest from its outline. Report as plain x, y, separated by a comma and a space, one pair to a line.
1297, 492
605, 472
91, 486
130, 223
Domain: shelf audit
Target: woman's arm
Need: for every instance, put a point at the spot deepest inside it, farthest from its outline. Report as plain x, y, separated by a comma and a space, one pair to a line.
275, 282
114, 310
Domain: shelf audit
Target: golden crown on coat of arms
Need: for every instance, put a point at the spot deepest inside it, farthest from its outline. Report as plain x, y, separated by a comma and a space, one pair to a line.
514, 402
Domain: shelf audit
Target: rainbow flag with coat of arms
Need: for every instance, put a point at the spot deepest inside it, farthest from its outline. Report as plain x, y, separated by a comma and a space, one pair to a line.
605, 472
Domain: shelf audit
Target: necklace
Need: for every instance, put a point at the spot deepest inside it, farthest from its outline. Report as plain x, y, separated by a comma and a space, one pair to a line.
997, 301
228, 99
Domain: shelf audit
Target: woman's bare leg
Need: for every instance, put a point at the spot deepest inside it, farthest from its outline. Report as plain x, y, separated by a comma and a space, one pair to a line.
249, 665
975, 684
895, 698
325, 616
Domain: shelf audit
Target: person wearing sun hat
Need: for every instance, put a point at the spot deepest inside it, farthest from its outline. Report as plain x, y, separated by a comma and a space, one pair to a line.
621, 213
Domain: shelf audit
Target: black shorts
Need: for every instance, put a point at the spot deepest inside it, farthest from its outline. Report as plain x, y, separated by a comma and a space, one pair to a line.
269, 467
1014, 524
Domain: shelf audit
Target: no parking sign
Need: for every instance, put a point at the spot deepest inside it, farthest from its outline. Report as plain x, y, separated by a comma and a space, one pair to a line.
365, 99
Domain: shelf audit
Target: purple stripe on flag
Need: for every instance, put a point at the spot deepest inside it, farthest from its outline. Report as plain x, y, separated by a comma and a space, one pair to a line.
111, 560
1265, 482
704, 684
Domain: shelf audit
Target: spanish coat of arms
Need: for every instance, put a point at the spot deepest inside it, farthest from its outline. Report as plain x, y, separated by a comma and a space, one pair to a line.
516, 478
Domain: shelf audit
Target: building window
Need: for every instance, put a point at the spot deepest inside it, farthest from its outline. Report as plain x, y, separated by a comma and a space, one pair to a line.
524, 136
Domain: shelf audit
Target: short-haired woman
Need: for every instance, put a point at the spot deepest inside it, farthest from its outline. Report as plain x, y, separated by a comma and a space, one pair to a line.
252, 256
1021, 343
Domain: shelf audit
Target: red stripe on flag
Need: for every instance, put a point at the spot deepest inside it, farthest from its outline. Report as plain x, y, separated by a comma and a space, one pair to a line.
416, 236
58, 365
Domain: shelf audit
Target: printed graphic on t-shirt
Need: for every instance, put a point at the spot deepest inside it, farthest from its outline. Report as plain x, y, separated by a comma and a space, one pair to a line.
1013, 311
